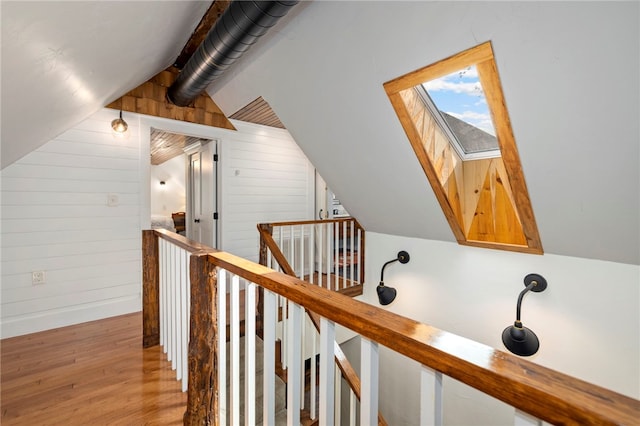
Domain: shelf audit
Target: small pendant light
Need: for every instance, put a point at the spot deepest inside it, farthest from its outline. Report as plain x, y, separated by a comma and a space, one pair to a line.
119, 125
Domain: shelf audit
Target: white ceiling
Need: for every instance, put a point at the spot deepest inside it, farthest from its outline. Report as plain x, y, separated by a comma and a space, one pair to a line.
570, 73
63, 61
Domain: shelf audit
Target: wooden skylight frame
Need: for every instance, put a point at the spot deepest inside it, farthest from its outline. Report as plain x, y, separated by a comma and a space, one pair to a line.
485, 201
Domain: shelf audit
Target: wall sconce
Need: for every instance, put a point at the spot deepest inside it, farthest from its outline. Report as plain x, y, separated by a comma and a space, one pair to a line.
162, 183
119, 125
387, 295
519, 339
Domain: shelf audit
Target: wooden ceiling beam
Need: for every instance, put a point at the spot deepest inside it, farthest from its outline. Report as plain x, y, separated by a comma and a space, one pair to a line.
216, 9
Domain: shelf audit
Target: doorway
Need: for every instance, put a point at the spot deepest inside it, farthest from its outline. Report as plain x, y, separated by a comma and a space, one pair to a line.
184, 184
202, 192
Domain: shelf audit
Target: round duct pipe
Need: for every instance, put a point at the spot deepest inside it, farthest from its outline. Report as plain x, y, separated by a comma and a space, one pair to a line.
239, 27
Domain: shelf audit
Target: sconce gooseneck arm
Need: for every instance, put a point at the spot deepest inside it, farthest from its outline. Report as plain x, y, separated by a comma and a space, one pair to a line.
382, 271
520, 297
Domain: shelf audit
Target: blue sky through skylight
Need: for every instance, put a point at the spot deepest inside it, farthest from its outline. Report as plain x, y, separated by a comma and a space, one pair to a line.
460, 94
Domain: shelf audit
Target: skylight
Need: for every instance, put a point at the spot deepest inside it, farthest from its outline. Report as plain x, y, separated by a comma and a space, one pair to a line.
455, 116
458, 102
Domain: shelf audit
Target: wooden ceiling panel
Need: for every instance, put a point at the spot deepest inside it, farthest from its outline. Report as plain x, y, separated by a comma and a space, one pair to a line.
258, 112
165, 145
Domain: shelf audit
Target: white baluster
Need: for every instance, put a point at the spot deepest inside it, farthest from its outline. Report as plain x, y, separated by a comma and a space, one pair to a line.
313, 384
179, 310
172, 301
352, 407
222, 345
329, 244
301, 253
234, 356
336, 254
360, 256
346, 260
285, 333
525, 419
269, 361
320, 240
430, 397
290, 259
327, 375
303, 322
337, 397
352, 258
312, 256
369, 382
163, 296
250, 355
186, 308
294, 368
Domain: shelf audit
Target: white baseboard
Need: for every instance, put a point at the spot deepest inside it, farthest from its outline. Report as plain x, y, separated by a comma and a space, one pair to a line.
41, 321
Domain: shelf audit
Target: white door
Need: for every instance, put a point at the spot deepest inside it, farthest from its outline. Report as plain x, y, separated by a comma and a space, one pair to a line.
202, 193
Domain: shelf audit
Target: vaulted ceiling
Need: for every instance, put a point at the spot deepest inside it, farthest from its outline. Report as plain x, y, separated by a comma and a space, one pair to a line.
569, 70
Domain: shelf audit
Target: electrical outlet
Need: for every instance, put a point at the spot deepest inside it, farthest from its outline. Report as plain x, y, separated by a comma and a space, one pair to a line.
38, 277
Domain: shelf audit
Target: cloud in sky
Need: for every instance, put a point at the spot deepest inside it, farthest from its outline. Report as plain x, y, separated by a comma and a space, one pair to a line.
480, 120
460, 94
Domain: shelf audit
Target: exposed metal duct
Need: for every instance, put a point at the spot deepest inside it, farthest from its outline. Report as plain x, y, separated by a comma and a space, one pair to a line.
239, 27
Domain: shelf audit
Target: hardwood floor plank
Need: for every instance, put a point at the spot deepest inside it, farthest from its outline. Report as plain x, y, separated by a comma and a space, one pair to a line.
94, 373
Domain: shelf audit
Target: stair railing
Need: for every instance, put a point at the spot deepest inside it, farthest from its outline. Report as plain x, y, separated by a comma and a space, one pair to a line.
328, 253
533, 389
294, 243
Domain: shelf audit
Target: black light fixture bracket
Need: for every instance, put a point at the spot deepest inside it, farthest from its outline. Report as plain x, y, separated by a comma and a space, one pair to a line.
387, 295
519, 339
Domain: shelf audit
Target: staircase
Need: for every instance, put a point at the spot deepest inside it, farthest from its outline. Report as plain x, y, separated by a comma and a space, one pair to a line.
184, 309
329, 254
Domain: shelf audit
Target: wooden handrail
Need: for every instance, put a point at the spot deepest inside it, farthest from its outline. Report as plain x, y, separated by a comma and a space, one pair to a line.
544, 393
267, 229
348, 372
151, 279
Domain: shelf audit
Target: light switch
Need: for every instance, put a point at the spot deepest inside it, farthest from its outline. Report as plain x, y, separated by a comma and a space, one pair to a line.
113, 200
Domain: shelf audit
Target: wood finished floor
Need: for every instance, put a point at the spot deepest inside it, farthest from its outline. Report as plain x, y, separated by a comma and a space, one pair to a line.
95, 373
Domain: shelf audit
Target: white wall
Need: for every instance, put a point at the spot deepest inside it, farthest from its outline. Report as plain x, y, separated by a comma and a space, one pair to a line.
55, 219
265, 177
570, 75
170, 197
55, 216
587, 319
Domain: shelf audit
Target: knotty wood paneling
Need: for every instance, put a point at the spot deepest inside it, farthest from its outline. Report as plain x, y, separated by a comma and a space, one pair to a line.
258, 112
150, 98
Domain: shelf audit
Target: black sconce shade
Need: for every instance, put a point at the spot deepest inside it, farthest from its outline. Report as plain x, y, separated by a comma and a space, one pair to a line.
386, 294
519, 339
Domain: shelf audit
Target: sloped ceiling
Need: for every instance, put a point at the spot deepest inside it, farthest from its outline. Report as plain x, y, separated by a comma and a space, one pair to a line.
569, 70
570, 74
63, 61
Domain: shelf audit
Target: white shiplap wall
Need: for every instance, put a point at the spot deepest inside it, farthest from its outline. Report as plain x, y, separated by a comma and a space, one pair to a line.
55, 219
264, 177
55, 216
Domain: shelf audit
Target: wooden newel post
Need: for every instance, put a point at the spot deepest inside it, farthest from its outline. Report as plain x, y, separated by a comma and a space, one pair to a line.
263, 229
150, 289
202, 394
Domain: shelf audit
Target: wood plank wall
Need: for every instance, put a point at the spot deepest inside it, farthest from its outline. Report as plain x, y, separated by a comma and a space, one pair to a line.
55, 216
150, 98
266, 178
55, 219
